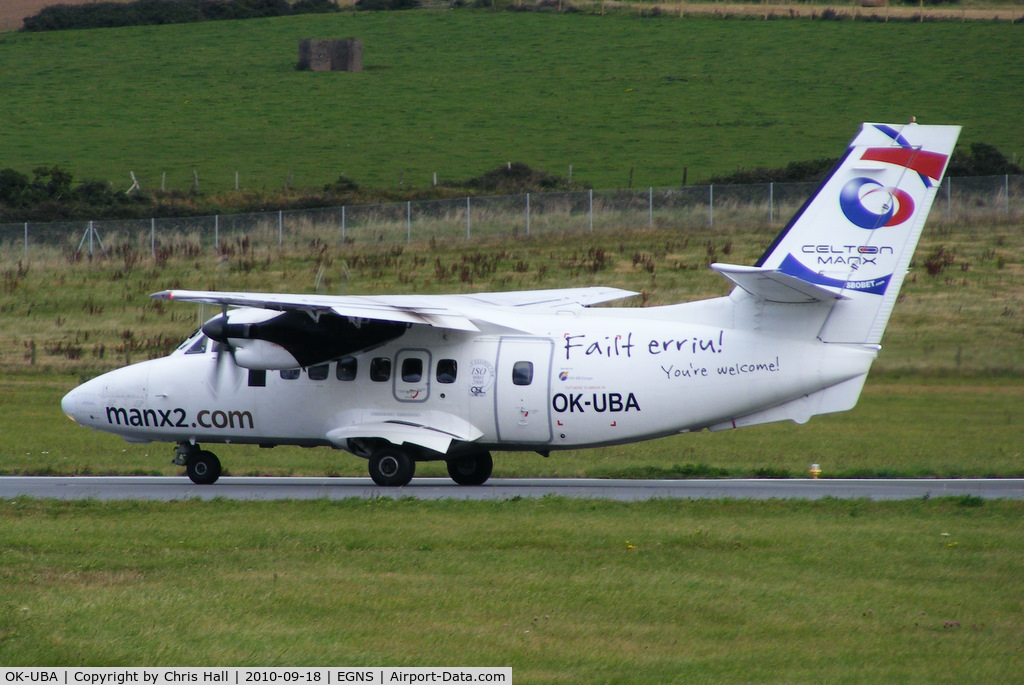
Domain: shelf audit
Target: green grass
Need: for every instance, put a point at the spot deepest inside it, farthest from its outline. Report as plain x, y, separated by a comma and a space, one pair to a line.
561, 591
461, 92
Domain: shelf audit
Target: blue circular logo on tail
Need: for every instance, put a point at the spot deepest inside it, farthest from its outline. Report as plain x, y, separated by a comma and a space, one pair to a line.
868, 204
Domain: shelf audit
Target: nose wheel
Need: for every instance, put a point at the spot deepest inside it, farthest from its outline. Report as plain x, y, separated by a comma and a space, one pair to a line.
201, 466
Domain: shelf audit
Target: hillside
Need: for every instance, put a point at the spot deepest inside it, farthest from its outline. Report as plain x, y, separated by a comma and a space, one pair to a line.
618, 98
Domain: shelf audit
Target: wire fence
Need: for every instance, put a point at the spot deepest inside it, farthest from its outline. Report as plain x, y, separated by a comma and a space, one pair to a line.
990, 198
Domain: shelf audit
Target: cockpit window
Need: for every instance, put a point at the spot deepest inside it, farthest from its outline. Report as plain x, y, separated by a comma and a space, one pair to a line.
187, 342
199, 346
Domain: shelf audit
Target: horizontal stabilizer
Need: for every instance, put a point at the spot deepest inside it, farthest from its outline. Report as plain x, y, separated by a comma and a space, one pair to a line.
771, 285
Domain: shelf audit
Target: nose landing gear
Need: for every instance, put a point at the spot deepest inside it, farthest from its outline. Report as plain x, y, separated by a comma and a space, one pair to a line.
203, 467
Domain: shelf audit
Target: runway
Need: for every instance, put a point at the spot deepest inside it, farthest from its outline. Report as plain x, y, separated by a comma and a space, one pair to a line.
168, 488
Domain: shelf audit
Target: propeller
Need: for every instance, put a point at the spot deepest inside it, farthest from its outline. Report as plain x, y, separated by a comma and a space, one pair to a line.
218, 330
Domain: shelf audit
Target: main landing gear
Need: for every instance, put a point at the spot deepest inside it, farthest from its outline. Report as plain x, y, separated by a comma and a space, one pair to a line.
394, 466
471, 469
391, 466
202, 466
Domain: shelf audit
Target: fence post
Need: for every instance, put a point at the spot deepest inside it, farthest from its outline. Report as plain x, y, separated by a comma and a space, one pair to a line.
343, 224
590, 203
408, 221
216, 232
1006, 193
949, 196
711, 205
650, 207
280, 227
771, 202
152, 238
467, 218
527, 215
26, 241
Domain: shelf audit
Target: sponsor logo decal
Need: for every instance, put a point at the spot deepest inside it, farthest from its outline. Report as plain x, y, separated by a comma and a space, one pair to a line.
792, 267
178, 418
868, 204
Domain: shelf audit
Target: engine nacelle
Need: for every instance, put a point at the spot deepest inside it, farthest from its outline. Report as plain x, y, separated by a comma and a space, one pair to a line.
270, 341
262, 355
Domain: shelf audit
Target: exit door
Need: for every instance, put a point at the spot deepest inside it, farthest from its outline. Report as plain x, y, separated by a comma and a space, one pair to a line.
521, 399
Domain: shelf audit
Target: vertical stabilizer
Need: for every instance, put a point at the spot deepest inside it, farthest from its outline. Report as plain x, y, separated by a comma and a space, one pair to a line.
855, 237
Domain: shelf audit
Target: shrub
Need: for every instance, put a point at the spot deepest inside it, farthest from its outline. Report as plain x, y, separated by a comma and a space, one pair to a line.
149, 12
515, 177
795, 172
982, 160
938, 259
385, 5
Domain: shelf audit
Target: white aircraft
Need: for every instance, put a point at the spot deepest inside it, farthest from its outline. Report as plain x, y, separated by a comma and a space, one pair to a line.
401, 379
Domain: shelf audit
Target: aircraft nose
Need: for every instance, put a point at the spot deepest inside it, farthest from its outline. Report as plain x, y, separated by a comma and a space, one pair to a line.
69, 405
79, 404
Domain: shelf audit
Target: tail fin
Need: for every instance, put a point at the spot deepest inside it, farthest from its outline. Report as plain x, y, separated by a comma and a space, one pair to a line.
853, 240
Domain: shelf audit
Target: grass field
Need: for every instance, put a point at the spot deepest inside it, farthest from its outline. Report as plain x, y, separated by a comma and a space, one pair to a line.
462, 92
561, 591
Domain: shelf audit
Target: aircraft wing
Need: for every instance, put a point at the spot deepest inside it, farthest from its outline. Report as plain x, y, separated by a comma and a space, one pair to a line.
456, 312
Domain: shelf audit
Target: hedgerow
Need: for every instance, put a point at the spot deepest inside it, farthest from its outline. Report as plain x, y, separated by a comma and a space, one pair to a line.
149, 12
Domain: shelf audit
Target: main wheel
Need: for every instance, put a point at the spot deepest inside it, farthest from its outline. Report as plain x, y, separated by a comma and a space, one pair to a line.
471, 469
391, 467
203, 468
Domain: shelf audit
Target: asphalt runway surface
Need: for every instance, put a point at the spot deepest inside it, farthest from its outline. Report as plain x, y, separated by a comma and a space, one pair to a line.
170, 488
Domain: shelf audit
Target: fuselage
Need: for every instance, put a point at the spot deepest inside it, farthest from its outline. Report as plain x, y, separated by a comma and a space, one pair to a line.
577, 379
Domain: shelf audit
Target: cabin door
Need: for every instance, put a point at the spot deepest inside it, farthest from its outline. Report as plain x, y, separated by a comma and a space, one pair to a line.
523, 390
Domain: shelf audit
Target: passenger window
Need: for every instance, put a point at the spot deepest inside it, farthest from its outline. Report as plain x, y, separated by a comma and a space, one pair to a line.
290, 374
380, 369
412, 370
347, 367
318, 372
257, 378
447, 371
198, 347
522, 373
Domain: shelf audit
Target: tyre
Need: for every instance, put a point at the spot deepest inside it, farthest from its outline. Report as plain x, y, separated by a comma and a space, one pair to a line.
203, 468
391, 467
472, 469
